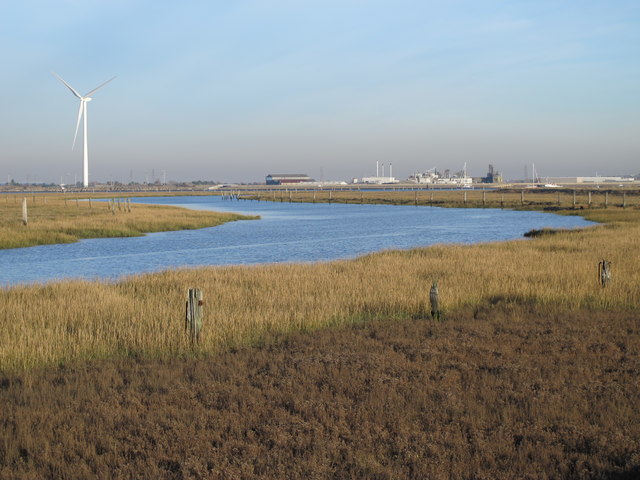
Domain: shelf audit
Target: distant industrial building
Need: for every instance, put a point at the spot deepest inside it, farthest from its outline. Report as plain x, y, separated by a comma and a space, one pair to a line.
379, 179
598, 179
288, 178
493, 176
434, 177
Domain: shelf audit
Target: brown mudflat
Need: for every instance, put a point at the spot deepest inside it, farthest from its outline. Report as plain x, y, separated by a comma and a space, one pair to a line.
498, 394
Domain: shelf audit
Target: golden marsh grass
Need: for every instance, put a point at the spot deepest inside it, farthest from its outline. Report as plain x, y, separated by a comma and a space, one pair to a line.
144, 315
57, 219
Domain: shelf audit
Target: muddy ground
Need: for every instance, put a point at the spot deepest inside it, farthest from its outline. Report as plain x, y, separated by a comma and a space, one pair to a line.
501, 393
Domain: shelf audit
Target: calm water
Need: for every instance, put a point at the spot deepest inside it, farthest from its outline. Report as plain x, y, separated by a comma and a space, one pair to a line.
286, 233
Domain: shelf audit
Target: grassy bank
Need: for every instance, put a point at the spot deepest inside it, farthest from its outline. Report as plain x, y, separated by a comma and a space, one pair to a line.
526, 199
143, 315
60, 219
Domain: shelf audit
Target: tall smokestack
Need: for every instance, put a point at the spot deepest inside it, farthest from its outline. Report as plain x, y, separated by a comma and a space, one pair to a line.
383, 169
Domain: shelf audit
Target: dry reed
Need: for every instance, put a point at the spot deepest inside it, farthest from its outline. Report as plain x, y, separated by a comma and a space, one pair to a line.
143, 315
56, 219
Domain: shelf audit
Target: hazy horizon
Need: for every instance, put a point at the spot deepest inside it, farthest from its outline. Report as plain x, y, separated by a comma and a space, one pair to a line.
235, 90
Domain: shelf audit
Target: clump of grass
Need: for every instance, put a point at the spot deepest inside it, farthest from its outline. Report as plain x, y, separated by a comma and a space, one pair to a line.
542, 232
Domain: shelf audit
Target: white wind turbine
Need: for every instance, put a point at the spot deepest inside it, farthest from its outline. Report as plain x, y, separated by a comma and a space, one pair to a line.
82, 113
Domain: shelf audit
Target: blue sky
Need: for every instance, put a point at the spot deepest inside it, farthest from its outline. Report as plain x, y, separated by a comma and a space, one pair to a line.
234, 90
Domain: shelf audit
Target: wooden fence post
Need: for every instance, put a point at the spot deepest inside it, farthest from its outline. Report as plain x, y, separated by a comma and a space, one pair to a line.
574, 199
521, 197
484, 197
604, 272
434, 298
25, 220
558, 201
624, 199
465, 198
589, 198
193, 318
606, 199
502, 200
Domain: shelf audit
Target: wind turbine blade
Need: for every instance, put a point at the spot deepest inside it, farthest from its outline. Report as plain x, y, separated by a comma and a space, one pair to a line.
67, 85
99, 87
80, 112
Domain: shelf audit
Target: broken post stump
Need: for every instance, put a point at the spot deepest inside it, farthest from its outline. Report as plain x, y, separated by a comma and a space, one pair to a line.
604, 272
25, 219
434, 298
193, 319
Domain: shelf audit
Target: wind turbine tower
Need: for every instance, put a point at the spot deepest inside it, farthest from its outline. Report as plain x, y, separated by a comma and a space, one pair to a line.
82, 114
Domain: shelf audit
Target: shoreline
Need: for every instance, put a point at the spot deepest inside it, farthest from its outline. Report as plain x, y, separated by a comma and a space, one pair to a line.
58, 220
554, 272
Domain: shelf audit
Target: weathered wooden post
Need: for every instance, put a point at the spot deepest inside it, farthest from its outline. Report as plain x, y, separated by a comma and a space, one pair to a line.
193, 318
77, 203
90, 203
484, 197
604, 272
465, 198
589, 198
558, 201
502, 200
314, 196
361, 197
330, 196
434, 298
129, 205
606, 199
415, 198
431, 197
574, 199
624, 199
25, 220
521, 197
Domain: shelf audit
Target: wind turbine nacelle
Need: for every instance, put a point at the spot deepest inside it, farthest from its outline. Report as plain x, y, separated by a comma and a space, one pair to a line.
86, 99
